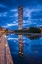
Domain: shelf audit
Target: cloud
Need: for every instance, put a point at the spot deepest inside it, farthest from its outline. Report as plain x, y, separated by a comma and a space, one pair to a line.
11, 24
1, 5
36, 15
33, 16
27, 22
3, 14
12, 38
3, 8
13, 10
8, 17
32, 12
39, 25
28, 12
29, 17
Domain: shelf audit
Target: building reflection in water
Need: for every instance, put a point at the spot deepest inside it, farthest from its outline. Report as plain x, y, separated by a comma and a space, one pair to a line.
20, 41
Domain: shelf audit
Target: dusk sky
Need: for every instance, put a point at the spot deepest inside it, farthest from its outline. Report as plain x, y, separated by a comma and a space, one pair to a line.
32, 13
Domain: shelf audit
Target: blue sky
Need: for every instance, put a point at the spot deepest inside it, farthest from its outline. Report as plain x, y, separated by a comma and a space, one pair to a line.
32, 13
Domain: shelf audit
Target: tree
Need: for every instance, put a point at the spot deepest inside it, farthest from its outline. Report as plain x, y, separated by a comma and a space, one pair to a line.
34, 30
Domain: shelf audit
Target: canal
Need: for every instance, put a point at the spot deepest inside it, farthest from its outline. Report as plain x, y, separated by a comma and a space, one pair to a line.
32, 50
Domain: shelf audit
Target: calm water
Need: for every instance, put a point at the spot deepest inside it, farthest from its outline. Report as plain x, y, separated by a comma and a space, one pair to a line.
32, 50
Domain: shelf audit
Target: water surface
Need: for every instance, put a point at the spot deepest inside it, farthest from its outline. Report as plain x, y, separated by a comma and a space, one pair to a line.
32, 50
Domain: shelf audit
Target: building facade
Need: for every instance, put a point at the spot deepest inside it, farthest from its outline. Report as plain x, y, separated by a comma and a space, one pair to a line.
20, 17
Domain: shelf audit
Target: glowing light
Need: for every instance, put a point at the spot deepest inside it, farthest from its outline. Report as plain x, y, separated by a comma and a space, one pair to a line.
5, 36
19, 52
6, 45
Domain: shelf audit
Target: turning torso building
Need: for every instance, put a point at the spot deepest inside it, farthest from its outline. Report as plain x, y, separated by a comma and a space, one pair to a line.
20, 17
20, 23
